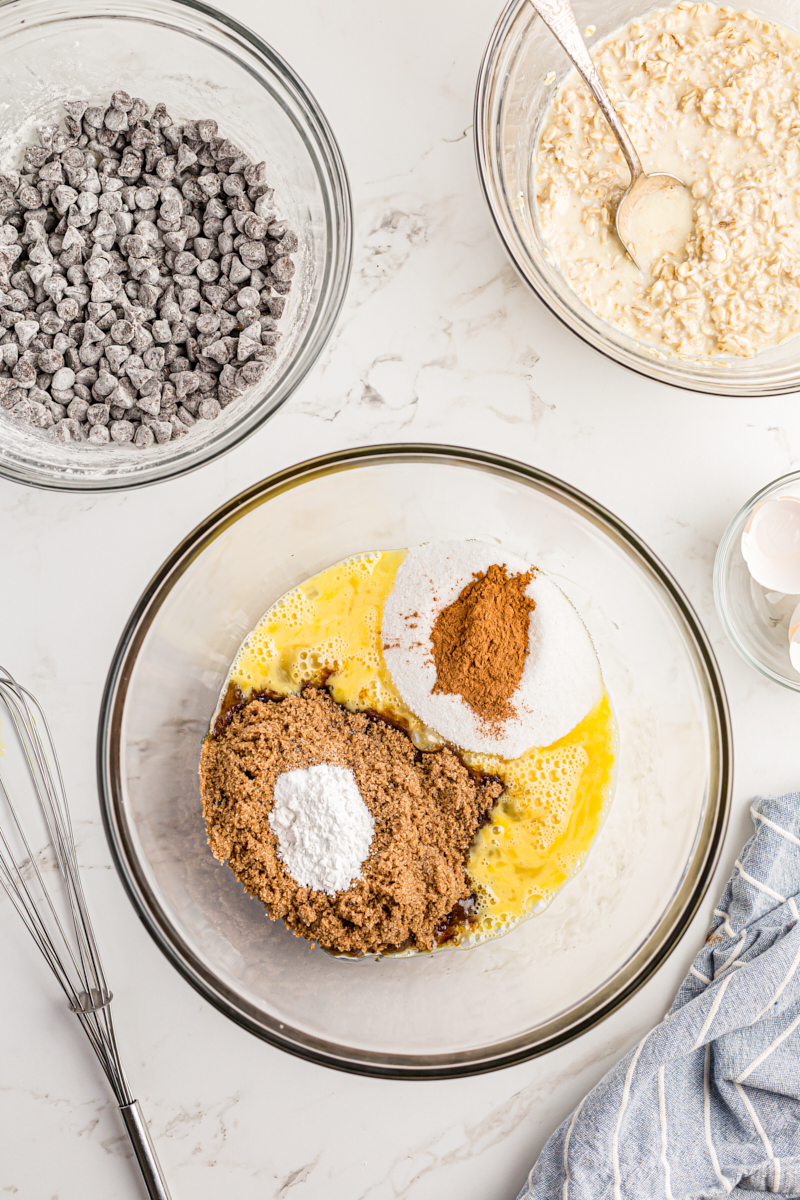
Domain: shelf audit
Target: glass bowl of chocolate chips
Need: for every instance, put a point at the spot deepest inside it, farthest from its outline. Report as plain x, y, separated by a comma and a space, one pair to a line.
175, 239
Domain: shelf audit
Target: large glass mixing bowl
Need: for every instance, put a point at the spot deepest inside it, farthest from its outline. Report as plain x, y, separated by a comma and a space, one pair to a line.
200, 63
453, 1012
522, 69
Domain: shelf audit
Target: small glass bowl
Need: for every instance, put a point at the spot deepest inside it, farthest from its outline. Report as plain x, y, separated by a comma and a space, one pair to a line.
443, 1014
522, 69
200, 63
755, 618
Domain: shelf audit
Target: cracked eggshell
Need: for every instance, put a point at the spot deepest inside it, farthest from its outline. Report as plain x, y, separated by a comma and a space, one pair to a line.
794, 639
771, 544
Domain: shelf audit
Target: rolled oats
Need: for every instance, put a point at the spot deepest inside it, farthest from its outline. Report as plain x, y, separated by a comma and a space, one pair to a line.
712, 95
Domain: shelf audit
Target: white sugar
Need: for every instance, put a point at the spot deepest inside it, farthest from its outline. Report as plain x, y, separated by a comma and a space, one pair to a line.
324, 828
560, 680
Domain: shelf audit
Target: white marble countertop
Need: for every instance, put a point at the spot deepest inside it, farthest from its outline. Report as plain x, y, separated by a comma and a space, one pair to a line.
438, 342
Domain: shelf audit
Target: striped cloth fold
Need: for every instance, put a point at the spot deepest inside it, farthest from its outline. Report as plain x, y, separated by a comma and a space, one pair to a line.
708, 1103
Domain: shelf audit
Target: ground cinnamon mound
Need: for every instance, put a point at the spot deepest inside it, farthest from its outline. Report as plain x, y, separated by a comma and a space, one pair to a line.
426, 809
480, 642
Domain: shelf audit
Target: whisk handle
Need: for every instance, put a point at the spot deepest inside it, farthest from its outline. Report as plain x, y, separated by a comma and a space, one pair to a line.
145, 1152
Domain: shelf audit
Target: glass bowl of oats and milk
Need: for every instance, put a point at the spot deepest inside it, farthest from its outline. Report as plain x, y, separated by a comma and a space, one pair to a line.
707, 93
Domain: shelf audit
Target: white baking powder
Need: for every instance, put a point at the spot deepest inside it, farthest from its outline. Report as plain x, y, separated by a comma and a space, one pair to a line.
324, 828
560, 681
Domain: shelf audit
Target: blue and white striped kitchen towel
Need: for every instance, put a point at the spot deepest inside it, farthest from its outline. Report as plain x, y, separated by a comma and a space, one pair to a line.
708, 1104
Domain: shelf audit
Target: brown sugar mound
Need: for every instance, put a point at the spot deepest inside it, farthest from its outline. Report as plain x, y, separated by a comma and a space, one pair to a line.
426, 808
480, 642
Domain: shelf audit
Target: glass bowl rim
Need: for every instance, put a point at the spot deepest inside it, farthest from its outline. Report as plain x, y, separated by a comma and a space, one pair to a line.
338, 203
726, 546
159, 927
666, 371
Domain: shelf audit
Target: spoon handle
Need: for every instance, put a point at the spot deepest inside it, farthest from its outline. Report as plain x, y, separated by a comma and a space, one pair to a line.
560, 19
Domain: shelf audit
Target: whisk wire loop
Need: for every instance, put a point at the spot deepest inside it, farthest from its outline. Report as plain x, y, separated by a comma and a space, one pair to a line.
56, 916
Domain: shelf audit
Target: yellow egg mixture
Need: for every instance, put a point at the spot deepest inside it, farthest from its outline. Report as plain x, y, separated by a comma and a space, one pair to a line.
328, 630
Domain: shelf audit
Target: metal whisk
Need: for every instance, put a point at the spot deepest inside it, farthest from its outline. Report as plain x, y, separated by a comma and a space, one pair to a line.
55, 914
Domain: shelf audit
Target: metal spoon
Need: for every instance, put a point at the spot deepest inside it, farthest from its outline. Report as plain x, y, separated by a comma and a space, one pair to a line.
560, 19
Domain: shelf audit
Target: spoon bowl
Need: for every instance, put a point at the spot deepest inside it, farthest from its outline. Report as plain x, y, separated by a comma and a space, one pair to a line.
654, 216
